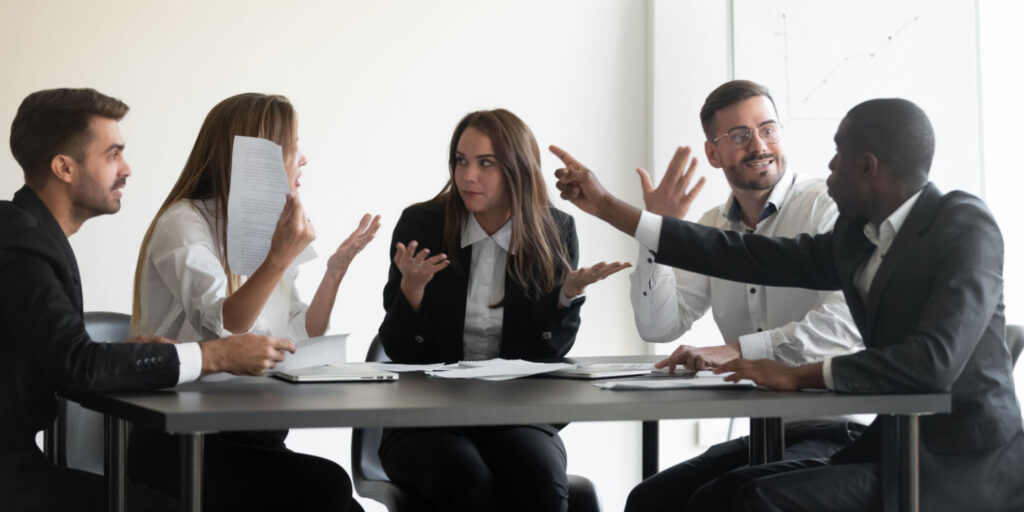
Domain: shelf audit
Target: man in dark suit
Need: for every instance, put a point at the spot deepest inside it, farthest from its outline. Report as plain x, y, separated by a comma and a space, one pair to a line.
68, 143
922, 274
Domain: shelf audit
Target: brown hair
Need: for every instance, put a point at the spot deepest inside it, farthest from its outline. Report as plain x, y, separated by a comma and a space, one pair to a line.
728, 94
207, 172
537, 256
54, 122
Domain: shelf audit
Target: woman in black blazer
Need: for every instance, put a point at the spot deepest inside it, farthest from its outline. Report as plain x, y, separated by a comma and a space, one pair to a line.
485, 269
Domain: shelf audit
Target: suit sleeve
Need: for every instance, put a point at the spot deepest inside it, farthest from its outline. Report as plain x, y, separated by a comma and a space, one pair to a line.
51, 333
408, 336
963, 295
805, 261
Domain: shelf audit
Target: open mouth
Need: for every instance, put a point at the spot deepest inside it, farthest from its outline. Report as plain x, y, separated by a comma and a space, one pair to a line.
760, 162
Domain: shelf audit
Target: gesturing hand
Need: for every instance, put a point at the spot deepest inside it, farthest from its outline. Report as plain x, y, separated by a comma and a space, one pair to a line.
417, 270
293, 233
578, 185
347, 251
577, 281
671, 198
700, 358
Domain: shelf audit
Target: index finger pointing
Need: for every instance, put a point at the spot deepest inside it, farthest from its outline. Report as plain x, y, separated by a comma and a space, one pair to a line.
562, 155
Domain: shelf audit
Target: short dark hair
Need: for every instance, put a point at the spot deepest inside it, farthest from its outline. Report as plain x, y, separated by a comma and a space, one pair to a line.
728, 94
54, 122
897, 132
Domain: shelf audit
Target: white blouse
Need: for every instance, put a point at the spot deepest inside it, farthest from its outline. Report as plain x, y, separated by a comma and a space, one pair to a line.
183, 283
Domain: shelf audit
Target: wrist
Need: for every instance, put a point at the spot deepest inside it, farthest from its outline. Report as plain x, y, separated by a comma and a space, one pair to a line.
211, 357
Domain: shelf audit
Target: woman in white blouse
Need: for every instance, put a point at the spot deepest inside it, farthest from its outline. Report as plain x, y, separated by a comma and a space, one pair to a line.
484, 270
185, 290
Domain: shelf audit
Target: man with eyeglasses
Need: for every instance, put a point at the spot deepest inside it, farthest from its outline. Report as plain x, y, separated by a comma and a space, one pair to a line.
794, 326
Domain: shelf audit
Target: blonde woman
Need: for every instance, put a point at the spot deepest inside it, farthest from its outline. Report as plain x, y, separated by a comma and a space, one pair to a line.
184, 289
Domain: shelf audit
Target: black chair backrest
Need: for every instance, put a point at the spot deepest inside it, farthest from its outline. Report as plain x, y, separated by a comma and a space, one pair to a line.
366, 441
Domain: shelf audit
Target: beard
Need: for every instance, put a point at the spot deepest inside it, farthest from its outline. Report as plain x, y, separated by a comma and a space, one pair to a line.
93, 198
738, 175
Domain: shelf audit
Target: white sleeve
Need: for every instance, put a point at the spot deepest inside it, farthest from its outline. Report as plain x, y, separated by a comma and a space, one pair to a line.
826, 330
190, 361
648, 231
187, 261
666, 301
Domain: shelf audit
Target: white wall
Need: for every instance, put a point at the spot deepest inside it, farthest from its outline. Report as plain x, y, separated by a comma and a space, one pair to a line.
378, 86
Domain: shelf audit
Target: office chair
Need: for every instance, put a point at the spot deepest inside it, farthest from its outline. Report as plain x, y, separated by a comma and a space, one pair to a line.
78, 439
1015, 341
371, 482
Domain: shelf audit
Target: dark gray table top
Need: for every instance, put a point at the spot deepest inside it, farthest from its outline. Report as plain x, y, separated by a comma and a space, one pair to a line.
263, 403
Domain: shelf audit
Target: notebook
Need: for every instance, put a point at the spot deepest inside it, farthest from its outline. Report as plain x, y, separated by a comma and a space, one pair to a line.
338, 372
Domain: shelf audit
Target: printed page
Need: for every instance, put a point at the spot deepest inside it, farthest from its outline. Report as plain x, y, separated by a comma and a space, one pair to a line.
259, 185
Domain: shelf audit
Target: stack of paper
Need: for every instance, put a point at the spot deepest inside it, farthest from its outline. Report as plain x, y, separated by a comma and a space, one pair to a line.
495, 369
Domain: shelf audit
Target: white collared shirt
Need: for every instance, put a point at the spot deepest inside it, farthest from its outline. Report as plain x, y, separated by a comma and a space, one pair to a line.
481, 334
882, 237
791, 325
183, 287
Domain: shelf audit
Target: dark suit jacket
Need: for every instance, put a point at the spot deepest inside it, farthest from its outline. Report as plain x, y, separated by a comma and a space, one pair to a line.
42, 333
933, 322
534, 330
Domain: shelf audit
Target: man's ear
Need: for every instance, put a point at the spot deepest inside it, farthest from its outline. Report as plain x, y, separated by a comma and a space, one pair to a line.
63, 167
712, 153
869, 166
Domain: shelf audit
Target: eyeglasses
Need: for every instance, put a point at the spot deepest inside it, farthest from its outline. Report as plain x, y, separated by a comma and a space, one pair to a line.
740, 136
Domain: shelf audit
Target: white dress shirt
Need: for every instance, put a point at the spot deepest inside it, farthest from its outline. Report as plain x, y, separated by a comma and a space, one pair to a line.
882, 237
481, 334
183, 286
791, 325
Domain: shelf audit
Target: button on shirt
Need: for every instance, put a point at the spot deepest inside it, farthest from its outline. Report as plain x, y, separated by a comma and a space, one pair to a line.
791, 325
882, 237
481, 334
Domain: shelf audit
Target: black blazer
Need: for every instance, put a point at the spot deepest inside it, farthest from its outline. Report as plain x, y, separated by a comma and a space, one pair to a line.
535, 330
44, 344
933, 322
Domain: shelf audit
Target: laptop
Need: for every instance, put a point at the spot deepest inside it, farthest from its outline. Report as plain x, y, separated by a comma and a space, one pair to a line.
593, 371
337, 372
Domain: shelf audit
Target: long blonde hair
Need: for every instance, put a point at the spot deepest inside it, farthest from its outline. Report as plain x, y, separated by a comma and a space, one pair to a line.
538, 258
207, 173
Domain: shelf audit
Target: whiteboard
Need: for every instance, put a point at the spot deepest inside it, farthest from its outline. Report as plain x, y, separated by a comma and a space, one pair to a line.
820, 58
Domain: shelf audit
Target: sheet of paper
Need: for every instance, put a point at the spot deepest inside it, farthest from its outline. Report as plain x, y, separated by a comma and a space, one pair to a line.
702, 380
259, 185
496, 369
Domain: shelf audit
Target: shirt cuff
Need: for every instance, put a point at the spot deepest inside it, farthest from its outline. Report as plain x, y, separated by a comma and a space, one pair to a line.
757, 345
648, 231
190, 362
567, 301
826, 372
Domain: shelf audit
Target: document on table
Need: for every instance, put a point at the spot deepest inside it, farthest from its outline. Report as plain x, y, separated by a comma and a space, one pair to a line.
495, 369
259, 185
399, 368
701, 380
308, 352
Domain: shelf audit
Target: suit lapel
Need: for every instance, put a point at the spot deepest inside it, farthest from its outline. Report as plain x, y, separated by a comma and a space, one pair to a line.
909, 236
853, 250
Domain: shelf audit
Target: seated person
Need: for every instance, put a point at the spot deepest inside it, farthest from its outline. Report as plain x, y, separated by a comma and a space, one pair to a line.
68, 144
794, 326
184, 288
484, 270
922, 273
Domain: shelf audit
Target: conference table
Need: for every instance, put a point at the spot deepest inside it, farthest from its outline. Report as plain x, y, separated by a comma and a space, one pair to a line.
262, 403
